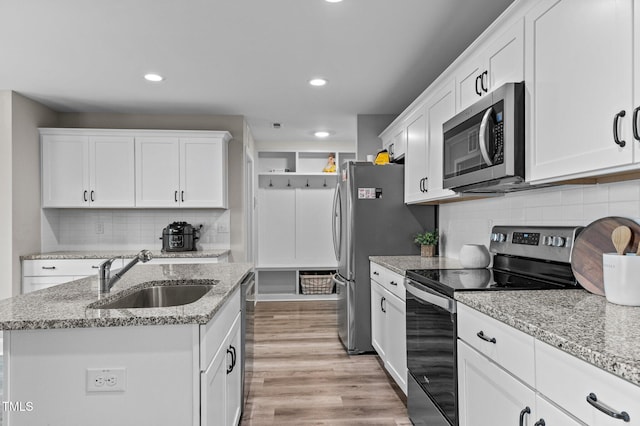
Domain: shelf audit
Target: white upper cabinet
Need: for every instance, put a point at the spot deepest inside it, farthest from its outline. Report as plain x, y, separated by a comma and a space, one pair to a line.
115, 168
499, 61
80, 170
580, 77
416, 161
181, 172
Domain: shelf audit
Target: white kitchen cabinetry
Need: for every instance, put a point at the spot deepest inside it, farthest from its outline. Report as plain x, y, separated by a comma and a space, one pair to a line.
388, 322
183, 260
39, 274
84, 170
488, 395
501, 368
221, 396
416, 166
580, 62
396, 143
180, 171
500, 60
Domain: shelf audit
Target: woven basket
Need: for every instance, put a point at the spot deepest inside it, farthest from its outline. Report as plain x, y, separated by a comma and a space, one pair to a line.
316, 284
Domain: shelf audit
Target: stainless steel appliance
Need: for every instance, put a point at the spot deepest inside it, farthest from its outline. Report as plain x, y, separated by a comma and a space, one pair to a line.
525, 258
248, 300
484, 144
369, 218
180, 236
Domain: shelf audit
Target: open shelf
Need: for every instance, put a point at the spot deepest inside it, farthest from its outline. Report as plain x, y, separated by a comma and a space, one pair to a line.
287, 284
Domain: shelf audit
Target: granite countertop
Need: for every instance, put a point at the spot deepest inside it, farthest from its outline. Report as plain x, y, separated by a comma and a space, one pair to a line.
400, 264
107, 254
578, 322
66, 305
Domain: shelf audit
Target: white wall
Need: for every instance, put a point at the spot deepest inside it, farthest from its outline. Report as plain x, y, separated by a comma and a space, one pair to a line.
5, 193
128, 229
471, 221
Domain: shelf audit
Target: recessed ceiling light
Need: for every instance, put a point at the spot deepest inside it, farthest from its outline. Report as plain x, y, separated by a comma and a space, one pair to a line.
153, 77
333, 1
318, 82
321, 134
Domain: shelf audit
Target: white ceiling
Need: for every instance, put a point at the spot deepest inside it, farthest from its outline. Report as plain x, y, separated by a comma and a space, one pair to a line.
246, 57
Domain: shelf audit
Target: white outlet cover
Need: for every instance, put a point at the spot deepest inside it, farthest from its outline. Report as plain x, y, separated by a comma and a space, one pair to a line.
106, 379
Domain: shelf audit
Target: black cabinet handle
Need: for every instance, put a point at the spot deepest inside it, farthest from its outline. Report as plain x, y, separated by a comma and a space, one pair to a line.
230, 367
375, 273
175, 196
525, 411
485, 338
95, 267
393, 283
48, 267
478, 92
382, 305
635, 124
233, 357
92, 196
539, 423
483, 85
84, 196
182, 196
616, 137
593, 400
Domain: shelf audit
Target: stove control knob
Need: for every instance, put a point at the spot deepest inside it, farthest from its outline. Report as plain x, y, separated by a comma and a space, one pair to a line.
558, 241
498, 237
547, 240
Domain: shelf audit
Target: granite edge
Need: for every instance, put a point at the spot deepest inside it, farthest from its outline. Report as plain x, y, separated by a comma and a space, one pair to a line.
213, 253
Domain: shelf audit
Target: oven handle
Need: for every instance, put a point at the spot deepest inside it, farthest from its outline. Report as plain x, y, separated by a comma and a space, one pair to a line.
482, 137
431, 297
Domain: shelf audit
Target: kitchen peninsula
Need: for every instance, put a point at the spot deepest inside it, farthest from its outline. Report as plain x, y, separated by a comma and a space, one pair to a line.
76, 364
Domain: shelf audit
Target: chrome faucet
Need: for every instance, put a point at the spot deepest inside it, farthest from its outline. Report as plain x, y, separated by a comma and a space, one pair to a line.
106, 281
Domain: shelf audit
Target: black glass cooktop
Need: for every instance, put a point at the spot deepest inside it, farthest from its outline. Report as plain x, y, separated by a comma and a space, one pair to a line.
448, 281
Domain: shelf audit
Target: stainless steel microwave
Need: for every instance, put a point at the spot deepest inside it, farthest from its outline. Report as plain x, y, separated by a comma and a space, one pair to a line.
484, 144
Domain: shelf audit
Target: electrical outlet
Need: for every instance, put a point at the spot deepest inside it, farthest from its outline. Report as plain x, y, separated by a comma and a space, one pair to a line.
99, 228
223, 228
106, 379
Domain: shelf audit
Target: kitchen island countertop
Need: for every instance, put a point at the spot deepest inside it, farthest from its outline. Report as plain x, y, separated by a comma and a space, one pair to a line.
66, 305
127, 254
580, 323
400, 264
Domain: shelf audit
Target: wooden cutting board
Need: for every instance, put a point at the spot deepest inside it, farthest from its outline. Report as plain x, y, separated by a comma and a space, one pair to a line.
595, 239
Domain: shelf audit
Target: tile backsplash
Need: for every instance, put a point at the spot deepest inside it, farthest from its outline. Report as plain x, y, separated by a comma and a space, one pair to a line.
127, 229
470, 222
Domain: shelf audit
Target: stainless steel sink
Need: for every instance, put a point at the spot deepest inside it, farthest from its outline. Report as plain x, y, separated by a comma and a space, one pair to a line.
157, 296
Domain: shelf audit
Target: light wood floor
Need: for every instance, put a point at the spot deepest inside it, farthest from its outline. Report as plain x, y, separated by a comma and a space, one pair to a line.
303, 376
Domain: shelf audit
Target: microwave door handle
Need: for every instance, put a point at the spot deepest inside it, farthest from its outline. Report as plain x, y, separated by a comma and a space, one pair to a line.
482, 137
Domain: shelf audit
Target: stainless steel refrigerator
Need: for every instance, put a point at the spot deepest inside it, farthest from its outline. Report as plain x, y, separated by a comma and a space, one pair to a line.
369, 219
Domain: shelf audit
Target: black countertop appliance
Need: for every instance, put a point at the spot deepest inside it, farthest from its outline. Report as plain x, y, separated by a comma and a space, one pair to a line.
180, 236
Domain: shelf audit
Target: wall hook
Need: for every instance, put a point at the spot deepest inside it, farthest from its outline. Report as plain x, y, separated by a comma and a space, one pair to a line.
325, 183
288, 182
270, 182
307, 183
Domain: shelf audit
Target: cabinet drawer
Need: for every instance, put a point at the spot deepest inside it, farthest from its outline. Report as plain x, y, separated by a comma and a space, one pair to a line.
30, 284
69, 267
213, 333
568, 381
388, 279
511, 349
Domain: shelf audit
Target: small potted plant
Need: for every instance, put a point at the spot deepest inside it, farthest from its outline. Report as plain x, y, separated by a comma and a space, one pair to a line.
428, 242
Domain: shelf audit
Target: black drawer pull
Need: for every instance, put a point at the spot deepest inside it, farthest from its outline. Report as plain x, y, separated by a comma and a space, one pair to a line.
485, 338
525, 410
95, 267
539, 423
48, 267
393, 283
382, 305
593, 400
616, 137
375, 273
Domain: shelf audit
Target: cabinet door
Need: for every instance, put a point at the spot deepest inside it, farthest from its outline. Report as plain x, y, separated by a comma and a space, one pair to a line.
276, 227
314, 244
579, 76
203, 163
396, 340
399, 145
112, 175
504, 61
468, 82
65, 171
378, 320
157, 172
488, 395
440, 108
234, 376
213, 392
416, 164
552, 415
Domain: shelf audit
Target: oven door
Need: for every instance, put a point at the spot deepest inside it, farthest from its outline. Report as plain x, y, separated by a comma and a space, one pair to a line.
431, 355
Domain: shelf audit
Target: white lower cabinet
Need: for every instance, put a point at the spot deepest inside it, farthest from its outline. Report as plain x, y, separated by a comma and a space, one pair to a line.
495, 384
39, 274
221, 394
488, 395
388, 322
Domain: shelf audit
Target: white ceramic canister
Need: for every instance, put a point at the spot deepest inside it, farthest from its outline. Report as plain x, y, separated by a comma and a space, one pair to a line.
620, 275
474, 256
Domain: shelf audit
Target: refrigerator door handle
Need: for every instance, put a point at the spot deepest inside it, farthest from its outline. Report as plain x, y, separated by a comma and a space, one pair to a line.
336, 218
